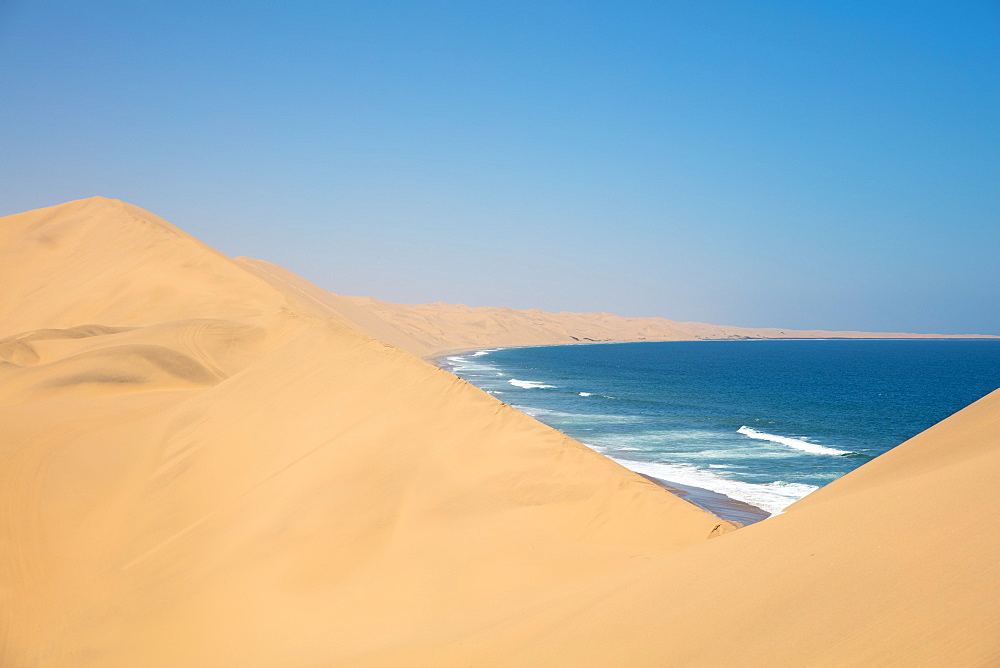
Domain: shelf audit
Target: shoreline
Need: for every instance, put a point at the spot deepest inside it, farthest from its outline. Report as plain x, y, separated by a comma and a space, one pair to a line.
437, 355
722, 506
434, 358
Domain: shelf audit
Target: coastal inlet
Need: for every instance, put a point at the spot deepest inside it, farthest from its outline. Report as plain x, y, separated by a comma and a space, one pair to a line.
761, 422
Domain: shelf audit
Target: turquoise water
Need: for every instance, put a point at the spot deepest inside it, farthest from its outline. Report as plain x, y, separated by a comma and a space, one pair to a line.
764, 422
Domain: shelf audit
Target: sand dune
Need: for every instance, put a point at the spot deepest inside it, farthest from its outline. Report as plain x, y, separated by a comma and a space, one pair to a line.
201, 466
892, 564
211, 462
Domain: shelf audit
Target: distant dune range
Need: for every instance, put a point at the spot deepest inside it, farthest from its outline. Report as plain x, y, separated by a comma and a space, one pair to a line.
430, 330
207, 461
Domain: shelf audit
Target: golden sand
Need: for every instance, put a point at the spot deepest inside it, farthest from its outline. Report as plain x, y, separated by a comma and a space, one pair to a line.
211, 462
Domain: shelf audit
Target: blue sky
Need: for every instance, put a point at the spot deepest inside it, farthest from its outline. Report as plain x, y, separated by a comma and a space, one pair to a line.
829, 165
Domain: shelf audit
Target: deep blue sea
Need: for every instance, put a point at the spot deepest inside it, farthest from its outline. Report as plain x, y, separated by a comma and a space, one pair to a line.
764, 422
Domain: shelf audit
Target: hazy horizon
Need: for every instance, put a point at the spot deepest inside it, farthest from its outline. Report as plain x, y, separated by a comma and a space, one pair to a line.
830, 166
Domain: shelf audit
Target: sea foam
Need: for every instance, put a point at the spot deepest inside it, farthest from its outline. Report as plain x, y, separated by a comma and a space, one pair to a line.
773, 497
558, 418
796, 443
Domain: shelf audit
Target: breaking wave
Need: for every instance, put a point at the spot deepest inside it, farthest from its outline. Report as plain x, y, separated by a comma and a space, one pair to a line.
529, 384
798, 444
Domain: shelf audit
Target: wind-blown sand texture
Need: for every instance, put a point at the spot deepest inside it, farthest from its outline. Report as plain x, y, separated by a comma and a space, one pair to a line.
212, 462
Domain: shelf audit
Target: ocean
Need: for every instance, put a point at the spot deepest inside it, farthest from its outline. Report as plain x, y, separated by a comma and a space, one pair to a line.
762, 422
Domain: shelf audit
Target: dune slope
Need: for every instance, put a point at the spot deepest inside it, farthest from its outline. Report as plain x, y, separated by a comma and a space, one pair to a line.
893, 564
206, 464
